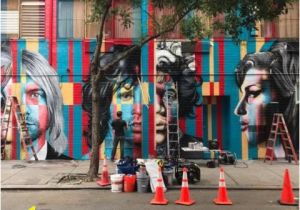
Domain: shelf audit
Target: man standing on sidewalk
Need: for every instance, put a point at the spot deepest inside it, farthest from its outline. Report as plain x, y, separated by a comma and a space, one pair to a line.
118, 125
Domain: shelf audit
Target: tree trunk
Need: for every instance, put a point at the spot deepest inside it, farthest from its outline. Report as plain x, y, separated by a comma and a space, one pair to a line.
94, 162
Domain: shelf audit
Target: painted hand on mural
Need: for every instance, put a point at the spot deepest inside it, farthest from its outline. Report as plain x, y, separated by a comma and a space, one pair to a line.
267, 77
40, 98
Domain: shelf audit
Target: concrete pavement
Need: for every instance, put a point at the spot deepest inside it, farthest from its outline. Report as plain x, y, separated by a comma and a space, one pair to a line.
256, 174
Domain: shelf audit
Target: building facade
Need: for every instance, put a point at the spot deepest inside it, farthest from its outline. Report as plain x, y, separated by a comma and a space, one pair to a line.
211, 88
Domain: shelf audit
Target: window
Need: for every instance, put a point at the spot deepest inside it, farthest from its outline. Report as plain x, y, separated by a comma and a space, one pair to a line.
32, 19
9, 19
70, 19
286, 26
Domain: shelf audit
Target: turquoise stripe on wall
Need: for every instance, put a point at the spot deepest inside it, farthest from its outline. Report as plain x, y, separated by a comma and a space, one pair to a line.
214, 120
216, 62
66, 127
77, 60
205, 66
190, 125
21, 45
43, 49
144, 66
62, 60
232, 56
77, 137
252, 148
205, 131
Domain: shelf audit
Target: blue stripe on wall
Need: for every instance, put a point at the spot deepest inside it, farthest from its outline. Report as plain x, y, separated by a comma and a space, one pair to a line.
190, 125
252, 148
232, 57
62, 60
214, 120
205, 121
66, 128
77, 137
21, 45
77, 60
216, 62
43, 49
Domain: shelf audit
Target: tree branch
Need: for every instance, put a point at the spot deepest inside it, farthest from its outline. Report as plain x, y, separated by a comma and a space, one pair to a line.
134, 47
95, 60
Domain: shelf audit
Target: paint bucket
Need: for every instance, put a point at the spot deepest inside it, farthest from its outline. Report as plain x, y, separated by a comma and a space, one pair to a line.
142, 182
116, 182
129, 183
168, 173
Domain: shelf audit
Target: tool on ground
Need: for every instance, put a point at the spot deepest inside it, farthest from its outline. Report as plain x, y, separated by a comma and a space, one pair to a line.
222, 198
104, 181
159, 198
279, 128
185, 192
12, 105
287, 195
227, 158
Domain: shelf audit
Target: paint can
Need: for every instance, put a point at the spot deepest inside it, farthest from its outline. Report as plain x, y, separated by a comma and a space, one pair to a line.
129, 183
142, 182
116, 182
168, 173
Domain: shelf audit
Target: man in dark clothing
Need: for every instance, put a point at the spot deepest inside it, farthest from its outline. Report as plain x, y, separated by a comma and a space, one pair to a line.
118, 125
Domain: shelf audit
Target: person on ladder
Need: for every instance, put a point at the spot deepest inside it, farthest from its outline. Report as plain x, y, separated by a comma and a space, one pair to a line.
42, 102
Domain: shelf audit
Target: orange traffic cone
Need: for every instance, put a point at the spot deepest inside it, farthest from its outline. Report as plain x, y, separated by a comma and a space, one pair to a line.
104, 177
185, 192
222, 198
159, 198
287, 195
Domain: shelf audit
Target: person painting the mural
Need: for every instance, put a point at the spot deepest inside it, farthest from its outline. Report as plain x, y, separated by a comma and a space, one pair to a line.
119, 88
119, 126
267, 77
42, 101
176, 83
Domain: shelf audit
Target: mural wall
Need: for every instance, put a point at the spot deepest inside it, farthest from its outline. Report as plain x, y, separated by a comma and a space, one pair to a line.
206, 90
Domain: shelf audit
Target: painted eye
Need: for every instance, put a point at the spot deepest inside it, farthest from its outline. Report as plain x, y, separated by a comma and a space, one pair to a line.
127, 96
253, 94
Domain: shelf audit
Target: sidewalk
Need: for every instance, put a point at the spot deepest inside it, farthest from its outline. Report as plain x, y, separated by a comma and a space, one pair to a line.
47, 175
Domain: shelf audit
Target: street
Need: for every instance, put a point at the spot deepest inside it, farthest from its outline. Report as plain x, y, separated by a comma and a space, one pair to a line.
106, 200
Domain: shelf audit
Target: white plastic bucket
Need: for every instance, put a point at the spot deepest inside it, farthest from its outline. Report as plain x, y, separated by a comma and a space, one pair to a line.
117, 182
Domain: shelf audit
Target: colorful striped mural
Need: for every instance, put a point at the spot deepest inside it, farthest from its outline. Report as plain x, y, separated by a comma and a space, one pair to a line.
206, 81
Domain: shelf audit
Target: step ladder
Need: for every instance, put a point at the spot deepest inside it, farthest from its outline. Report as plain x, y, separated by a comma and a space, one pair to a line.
279, 128
12, 105
172, 111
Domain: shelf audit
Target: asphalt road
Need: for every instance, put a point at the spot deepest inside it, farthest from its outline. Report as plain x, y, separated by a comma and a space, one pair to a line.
106, 200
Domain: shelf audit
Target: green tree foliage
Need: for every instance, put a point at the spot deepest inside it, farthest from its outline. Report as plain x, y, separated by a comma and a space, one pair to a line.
191, 15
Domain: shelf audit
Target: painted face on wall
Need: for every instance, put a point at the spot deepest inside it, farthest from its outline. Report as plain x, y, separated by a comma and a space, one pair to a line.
165, 102
35, 105
129, 100
253, 107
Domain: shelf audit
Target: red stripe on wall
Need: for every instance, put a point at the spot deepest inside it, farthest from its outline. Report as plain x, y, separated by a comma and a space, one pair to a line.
182, 125
150, 44
221, 67
14, 139
71, 63
211, 88
71, 130
198, 59
14, 54
54, 45
198, 110
219, 122
77, 97
199, 122
151, 131
85, 59
84, 125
